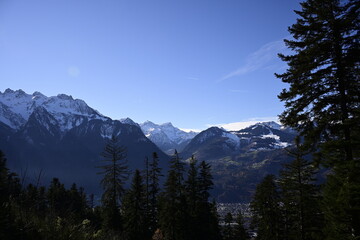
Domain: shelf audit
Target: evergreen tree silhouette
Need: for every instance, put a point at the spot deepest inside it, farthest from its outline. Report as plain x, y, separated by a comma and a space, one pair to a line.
322, 102
115, 173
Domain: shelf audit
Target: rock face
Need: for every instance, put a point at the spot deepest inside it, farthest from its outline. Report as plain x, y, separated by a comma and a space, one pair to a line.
64, 137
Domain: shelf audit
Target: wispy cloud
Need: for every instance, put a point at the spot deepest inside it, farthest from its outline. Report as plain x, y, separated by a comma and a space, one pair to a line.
234, 126
260, 59
190, 130
243, 124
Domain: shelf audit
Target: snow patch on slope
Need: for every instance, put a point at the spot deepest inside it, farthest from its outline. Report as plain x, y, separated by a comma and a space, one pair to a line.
271, 135
232, 139
281, 144
278, 143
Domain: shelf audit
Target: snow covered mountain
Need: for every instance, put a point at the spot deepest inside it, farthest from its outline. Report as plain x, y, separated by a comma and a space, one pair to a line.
166, 136
270, 124
17, 106
264, 136
214, 141
64, 137
240, 159
128, 121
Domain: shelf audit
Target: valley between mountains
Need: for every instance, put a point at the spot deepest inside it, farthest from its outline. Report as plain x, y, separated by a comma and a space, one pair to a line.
63, 137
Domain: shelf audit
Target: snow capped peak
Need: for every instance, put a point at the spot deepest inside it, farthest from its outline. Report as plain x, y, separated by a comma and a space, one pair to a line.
8, 91
36, 93
168, 124
62, 107
11, 93
216, 129
272, 124
128, 121
65, 97
165, 133
209, 133
18, 93
147, 122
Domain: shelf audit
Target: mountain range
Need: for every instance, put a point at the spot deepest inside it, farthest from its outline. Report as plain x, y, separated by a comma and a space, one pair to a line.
167, 137
241, 159
63, 137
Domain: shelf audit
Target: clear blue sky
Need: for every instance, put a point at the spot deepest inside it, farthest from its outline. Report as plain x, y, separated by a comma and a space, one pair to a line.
194, 63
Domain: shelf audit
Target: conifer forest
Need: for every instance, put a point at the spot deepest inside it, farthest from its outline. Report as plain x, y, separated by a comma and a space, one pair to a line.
322, 104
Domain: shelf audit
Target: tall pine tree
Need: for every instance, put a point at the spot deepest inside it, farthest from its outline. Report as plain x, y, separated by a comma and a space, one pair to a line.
265, 207
207, 214
323, 102
228, 231
134, 210
300, 197
203, 220
153, 192
115, 173
192, 198
240, 232
56, 198
8, 228
173, 208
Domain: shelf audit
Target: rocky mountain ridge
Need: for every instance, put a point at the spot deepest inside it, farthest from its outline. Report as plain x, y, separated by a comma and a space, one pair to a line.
63, 137
17, 106
166, 136
240, 159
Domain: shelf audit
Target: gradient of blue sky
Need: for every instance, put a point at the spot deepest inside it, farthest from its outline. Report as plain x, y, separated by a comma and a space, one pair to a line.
194, 63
